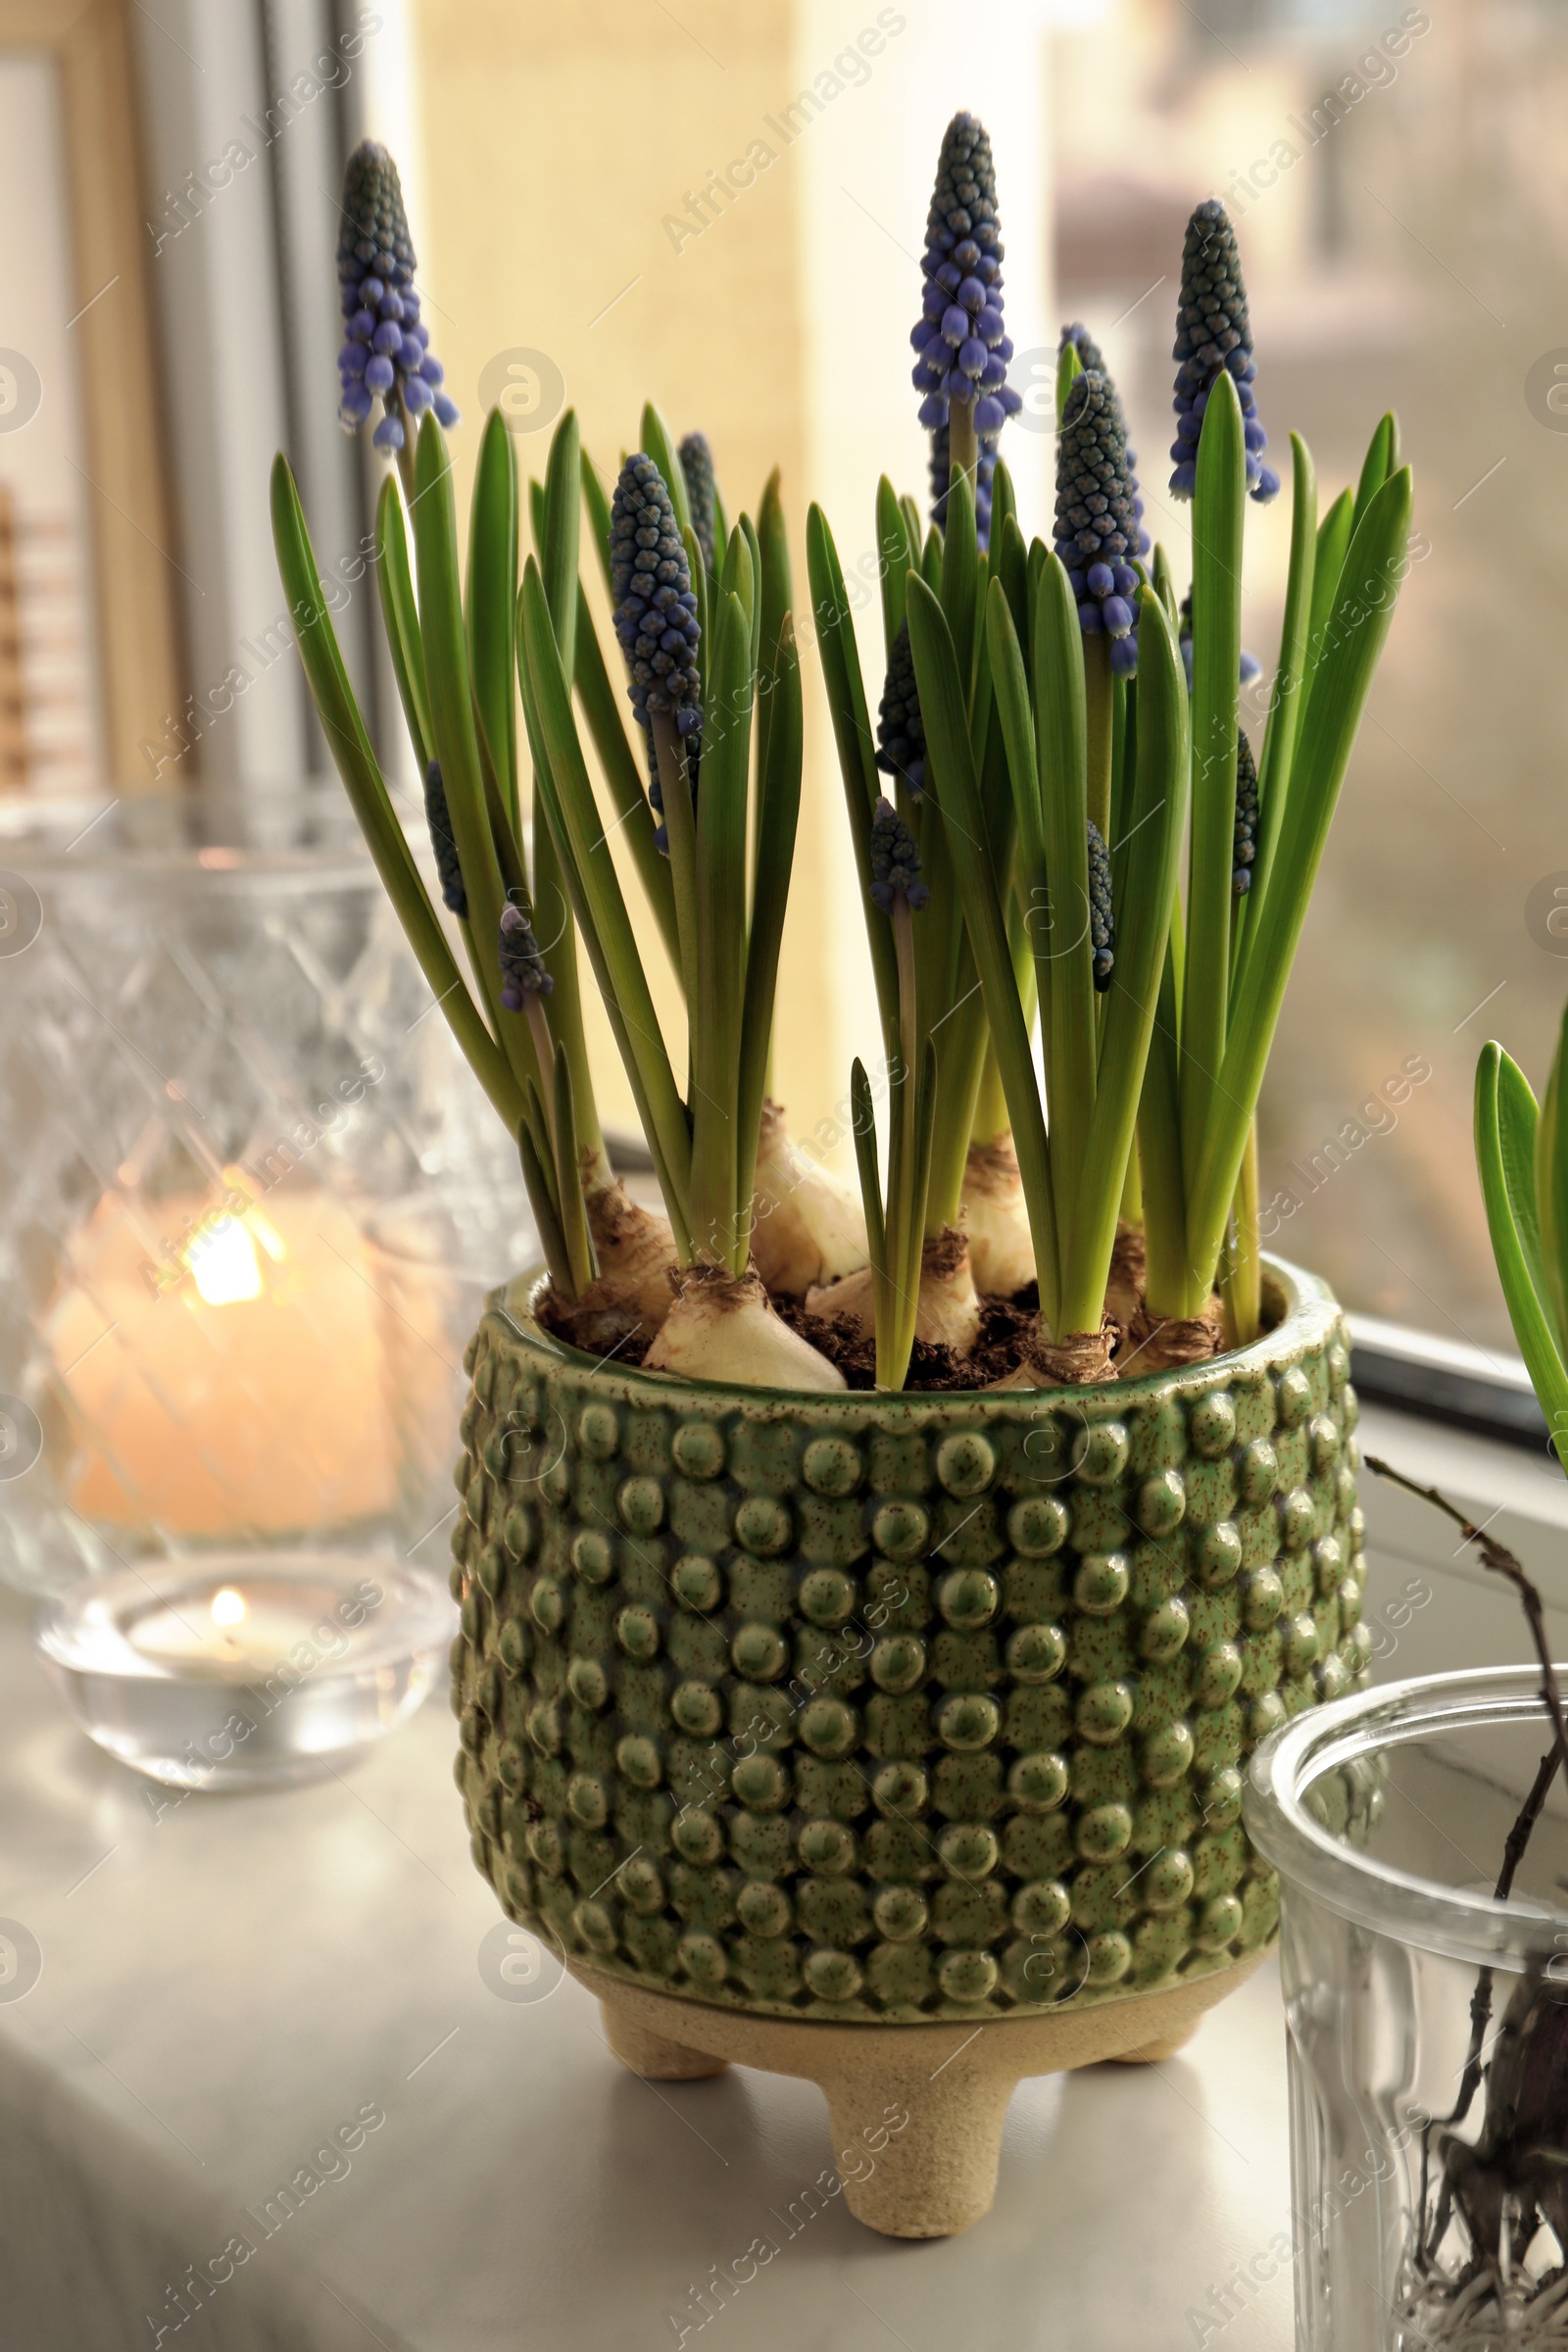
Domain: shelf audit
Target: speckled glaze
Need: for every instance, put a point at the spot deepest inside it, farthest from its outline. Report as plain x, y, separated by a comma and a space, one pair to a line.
881, 1707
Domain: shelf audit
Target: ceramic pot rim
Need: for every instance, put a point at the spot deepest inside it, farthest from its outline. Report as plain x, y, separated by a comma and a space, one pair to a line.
1306, 1311
1447, 1920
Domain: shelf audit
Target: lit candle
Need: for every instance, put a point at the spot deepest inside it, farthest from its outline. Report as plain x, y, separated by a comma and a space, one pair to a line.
224, 1371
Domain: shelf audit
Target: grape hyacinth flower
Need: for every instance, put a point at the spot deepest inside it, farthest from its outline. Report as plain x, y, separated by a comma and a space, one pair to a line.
386, 350
1097, 525
697, 466
895, 862
1213, 333
1246, 815
1101, 915
1090, 355
899, 728
656, 614
522, 967
961, 347
449, 872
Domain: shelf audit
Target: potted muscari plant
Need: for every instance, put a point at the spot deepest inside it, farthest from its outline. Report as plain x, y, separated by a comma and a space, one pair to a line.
868, 1603
1420, 1837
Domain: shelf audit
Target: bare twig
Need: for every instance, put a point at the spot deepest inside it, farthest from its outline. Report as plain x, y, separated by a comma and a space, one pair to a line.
1502, 1561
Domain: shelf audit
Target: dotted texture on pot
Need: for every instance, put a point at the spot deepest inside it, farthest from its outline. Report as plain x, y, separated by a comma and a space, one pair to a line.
886, 1707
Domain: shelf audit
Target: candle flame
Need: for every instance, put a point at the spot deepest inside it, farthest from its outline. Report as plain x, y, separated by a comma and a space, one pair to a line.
229, 1608
223, 1264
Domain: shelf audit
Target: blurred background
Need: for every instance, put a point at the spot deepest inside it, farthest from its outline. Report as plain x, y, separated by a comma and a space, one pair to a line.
169, 172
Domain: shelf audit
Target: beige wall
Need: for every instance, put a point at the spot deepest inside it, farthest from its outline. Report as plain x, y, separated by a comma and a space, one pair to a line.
556, 138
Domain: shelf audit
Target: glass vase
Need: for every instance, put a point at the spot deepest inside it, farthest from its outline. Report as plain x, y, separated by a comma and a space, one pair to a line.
1427, 2019
216, 1055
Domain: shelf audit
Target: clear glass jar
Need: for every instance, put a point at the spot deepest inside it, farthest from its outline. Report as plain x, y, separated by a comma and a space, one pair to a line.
1426, 2021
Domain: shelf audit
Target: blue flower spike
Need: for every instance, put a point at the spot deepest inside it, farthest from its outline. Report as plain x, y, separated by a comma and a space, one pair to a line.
1246, 815
443, 842
1098, 529
696, 467
386, 353
895, 862
522, 967
961, 346
1101, 915
1214, 334
899, 728
656, 615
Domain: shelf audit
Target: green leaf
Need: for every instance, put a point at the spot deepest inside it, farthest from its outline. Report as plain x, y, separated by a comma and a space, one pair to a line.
1333, 546
1504, 1166
562, 520
1381, 460
1063, 949
1550, 1262
852, 733
493, 603
717, 1010
589, 873
1219, 503
350, 747
538, 1183
457, 744
1148, 871
1287, 698
1353, 639
618, 763
895, 560
951, 774
400, 616
777, 821
596, 498
776, 602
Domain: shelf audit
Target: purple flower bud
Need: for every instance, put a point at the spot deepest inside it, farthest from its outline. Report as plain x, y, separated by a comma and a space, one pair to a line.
447, 411
1117, 613
351, 359
962, 290
1089, 619
1101, 580
1214, 336
1123, 657
375, 266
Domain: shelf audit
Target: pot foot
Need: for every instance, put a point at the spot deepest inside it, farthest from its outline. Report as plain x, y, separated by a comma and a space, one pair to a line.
1152, 2051
917, 2151
652, 2055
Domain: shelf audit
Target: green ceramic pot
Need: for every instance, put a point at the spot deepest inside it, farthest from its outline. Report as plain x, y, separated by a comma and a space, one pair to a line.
881, 1707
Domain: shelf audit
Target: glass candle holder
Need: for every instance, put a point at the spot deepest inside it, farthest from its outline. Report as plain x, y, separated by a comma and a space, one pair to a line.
1427, 2020
247, 1671
434, 1257
215, 1053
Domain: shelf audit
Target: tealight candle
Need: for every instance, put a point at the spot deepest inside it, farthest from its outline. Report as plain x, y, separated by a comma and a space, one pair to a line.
246, 1669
